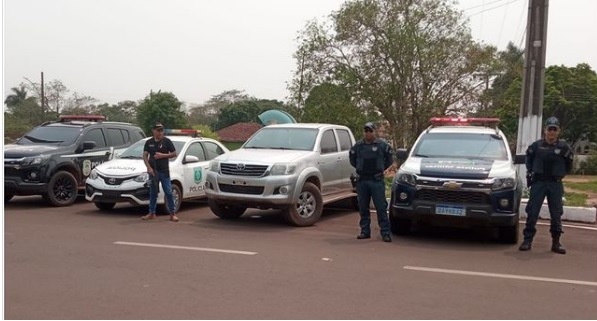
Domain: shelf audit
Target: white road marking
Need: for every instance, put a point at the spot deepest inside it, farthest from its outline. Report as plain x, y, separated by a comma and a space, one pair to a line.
498, 275
568, 225
204, 249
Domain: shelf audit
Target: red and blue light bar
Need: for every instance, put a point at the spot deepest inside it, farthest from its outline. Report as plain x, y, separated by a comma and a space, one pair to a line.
65, 118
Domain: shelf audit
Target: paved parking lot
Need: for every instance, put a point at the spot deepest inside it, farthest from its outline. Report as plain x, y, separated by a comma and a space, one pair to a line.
80, 263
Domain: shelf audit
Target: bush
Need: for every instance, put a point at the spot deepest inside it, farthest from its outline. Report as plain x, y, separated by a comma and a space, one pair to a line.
588, 167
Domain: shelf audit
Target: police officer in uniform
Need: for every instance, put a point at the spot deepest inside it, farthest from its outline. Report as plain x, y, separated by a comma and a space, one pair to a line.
371, 156
548, 160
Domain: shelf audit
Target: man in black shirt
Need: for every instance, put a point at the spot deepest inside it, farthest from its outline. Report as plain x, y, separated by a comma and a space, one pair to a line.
156, 153
548, 160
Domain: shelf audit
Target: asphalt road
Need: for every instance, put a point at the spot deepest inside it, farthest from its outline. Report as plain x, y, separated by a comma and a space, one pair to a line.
81, 263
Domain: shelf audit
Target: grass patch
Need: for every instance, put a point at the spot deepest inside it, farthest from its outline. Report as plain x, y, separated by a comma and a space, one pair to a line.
583, 186
575, 199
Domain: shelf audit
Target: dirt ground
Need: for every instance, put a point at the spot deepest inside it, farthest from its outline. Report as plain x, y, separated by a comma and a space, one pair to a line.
591, 197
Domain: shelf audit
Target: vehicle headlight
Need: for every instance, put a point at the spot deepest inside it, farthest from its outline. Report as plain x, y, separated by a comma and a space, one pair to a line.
36, 160
214, 166
407, 178
283, 169
142, 178
503, 183
93, 174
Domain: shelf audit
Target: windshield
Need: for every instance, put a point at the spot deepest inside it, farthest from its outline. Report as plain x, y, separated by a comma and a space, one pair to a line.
62, 135
136, 150
458, 145
283, 138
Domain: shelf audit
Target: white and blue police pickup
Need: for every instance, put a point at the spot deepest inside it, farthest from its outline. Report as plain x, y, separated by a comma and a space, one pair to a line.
460, 172
125, 178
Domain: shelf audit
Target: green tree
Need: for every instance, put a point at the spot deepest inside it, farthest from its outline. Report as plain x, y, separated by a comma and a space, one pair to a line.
245, 111
206, 131
18, 96
571, 96
407, 60
329, 103
207, 113
163, 107
124, 111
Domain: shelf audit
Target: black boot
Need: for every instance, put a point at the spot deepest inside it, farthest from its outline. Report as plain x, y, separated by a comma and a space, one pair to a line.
526, 245
556, 246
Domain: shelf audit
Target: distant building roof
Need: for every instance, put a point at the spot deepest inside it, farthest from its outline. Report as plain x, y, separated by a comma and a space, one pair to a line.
238, 132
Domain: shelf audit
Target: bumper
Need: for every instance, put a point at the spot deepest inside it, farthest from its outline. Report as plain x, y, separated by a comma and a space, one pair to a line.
488, 213
269, 191
16, 186
134, 193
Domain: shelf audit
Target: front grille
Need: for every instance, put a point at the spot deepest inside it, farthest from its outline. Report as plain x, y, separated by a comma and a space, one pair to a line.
452, 196
114, 180
243, 169
11, 171
241, 189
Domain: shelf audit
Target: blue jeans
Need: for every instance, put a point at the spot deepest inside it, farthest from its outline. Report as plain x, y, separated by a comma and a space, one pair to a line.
163, 178
376, 189
554, 192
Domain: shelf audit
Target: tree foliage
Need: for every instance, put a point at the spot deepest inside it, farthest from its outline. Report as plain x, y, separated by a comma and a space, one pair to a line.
407, 60
163, 107
245, 111
330, 103
207, 113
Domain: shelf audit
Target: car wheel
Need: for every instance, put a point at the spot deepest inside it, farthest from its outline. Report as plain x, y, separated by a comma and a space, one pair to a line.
307, 210
62, 189
104, 206
7, 197
509, 234
177, 194
225, 211
400, 226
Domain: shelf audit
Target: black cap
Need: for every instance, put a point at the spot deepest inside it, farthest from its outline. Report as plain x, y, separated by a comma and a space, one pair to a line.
552, 122
158, 125
369, 125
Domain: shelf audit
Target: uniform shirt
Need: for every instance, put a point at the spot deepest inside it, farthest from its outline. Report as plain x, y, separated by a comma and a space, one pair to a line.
164, 146
546, 160
371, 159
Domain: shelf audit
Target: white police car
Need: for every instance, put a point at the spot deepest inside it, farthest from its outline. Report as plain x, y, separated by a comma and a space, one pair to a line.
125, 179
459, 172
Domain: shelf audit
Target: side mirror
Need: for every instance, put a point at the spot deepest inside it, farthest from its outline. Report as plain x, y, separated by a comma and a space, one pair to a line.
89, 145
519, 159
401, 154
190, 159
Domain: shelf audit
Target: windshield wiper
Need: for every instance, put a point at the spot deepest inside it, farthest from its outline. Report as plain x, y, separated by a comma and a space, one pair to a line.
39, 140
283, 148
131, 157
420, 155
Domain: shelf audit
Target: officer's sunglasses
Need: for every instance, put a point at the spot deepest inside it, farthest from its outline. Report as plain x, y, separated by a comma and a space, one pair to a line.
552, 129
368, 130
159, 129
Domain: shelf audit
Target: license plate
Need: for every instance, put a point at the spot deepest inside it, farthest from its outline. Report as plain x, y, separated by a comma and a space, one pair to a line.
450, 210
111, 194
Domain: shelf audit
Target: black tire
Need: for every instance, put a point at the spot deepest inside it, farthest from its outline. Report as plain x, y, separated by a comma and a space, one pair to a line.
509, 234
104, 206
7, 198
400, 226
62, 189
308, 208
225, 211
177, 194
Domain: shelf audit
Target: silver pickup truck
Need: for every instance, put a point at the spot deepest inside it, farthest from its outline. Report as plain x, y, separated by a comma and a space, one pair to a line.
293, 167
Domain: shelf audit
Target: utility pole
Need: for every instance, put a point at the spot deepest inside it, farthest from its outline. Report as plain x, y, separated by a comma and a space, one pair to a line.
533, 81
43, 98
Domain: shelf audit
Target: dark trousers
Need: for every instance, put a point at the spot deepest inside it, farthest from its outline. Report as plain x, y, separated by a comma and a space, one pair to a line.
554, 191
373, 189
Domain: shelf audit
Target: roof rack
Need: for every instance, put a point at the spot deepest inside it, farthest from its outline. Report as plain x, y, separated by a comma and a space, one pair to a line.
183, 132
93, 118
